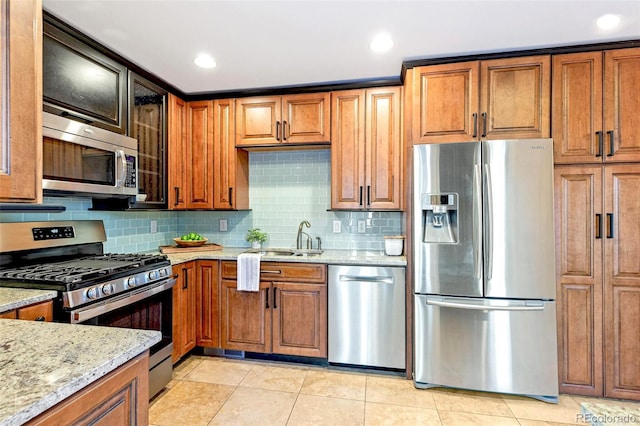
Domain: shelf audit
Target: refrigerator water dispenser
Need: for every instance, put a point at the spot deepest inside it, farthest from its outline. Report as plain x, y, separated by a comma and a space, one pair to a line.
440, 218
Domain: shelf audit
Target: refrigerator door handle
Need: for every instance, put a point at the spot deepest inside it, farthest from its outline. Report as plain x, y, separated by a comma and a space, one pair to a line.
488, 222
443, 303
477, 214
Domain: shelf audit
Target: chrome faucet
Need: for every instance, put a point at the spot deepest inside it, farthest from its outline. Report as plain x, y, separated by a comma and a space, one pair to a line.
300, 233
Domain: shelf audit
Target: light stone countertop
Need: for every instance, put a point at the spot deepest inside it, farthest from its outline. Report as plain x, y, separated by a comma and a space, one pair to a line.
42, 363
14, 298
329, 257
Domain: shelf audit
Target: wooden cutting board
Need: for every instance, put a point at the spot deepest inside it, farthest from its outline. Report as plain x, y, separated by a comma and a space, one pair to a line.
176, 249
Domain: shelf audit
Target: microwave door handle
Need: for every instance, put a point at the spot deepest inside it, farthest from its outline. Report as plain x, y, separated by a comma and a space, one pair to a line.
123, 168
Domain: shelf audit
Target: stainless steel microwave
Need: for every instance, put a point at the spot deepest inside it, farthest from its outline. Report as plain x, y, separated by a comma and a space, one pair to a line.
81, 159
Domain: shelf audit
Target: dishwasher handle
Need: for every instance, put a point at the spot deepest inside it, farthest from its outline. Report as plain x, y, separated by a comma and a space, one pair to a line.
365, 278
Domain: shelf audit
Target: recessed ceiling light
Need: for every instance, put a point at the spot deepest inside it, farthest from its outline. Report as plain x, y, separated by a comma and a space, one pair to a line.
205, 61
381, 43
608, 21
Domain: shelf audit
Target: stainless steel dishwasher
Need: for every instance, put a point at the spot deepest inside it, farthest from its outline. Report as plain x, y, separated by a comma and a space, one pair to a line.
367, 316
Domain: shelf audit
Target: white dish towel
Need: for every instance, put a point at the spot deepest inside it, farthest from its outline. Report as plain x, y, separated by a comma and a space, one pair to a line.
248, 272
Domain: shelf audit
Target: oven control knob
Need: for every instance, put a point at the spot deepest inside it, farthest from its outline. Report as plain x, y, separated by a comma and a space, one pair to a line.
107, 289
163, 272
131, 281
153, 275
92, 293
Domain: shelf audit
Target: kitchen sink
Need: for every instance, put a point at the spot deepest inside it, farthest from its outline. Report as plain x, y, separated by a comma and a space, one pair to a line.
286, 252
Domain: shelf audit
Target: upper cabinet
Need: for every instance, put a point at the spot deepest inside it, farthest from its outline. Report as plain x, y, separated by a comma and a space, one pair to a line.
81, 83
231, 165
147, 124
177, 147
21, 106
595, 106
277, 120
366, 149
470, 101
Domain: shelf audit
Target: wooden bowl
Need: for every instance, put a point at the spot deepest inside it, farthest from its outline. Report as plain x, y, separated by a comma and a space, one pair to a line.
190, 243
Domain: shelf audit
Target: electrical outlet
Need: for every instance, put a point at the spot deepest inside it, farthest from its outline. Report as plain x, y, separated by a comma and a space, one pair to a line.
337, 227
154, 226
362, 227
223, 225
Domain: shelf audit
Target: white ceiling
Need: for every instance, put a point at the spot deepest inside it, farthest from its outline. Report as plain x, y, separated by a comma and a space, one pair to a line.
265, 44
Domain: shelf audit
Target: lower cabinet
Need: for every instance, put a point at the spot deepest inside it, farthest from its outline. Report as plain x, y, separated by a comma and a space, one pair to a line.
287, 316
207, 304
184, 309
119, 398
42, 311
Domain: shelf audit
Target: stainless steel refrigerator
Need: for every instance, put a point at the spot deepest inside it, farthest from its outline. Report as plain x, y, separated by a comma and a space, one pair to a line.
484, 267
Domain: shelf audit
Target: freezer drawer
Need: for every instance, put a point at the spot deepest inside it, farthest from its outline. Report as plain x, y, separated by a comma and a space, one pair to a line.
506, 346
367, 316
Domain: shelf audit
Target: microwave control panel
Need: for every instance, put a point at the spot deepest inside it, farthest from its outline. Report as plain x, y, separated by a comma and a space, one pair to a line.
131, 173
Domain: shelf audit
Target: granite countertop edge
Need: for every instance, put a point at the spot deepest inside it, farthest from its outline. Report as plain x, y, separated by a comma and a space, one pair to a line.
22, 407
14, 298
328, 257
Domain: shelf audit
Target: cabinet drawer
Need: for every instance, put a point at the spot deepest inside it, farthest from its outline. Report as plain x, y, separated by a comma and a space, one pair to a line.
281, 271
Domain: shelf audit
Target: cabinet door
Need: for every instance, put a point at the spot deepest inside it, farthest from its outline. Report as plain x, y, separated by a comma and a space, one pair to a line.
246, 318
177, 153
200, 155
299, 319
622, 105
184, 310
347, 149
577, 108
38, 312
208, 304
231, 174
306, 119
579, 236
258, 121
515, 96
383, 149
622, 281
21, 106
445, 103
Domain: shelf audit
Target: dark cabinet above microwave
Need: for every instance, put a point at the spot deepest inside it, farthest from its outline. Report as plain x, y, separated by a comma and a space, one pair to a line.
81, 83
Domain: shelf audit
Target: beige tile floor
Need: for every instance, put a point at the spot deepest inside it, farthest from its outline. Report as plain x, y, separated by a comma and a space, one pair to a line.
220, 391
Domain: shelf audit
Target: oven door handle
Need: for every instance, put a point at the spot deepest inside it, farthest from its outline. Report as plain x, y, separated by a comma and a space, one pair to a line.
109, 305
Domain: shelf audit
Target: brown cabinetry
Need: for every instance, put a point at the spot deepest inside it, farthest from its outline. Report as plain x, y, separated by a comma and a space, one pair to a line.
119, 398
42, 311
208, 304
184, 309
191, 154
231, 170
277, 120
493, 99
595, 106
21, 106
366, 151
598, 246
288, 315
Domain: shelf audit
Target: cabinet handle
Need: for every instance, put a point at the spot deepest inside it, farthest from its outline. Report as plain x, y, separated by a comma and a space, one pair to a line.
600, 142
484, 124
267, 271
598, 225
177, 192
231, 197
611, 149
284, 130
266, 305
368, 195
609, 225
40, 318
185, 283
360, 196
475, 125
277, 130
274, 298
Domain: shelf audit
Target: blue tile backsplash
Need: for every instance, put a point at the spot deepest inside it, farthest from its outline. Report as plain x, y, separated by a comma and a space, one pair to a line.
285, 188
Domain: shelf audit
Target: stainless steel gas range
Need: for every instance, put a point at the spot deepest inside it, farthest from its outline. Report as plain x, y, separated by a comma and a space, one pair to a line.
94, 288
